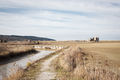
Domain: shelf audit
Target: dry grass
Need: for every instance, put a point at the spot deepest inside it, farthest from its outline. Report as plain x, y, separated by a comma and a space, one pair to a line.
110, 50
82, 61
34, 69
75, 64
8, 52
6, 49
15, 75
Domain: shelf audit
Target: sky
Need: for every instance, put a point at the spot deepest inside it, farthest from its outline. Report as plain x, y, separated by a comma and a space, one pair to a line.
61, 19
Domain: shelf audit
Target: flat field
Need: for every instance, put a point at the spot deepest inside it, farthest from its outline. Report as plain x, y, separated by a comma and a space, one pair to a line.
89, 60
107, 49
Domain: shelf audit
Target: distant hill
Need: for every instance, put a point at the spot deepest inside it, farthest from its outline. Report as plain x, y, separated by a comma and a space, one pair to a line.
21, 38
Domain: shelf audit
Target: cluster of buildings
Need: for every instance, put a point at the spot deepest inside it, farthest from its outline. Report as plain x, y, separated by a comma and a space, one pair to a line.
95, 39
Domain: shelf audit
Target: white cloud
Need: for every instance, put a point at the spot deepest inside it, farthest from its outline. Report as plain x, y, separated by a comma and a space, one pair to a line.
55, 18
98, 6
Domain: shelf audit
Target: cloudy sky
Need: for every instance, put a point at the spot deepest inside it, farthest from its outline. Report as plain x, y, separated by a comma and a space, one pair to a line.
61, 19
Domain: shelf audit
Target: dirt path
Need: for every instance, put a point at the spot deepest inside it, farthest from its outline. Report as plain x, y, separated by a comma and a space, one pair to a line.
47, 72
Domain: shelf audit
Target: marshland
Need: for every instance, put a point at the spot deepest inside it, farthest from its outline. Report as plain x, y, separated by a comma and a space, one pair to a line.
74, 60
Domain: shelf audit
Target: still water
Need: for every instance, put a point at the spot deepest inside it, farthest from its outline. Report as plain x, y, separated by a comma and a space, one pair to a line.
12, 67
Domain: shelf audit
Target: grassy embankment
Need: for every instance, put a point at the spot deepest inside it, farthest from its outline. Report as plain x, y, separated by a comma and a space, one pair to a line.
89, 61
16, 47
10, 51
34, 69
